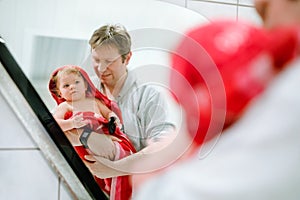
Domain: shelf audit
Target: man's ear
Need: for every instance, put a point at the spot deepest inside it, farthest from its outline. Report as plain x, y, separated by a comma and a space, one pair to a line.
128, 57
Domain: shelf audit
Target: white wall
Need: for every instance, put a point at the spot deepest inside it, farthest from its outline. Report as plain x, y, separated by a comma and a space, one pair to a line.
24, 172
23, 169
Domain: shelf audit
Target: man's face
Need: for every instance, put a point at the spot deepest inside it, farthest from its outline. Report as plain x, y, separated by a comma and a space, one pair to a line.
108, 65
278, 12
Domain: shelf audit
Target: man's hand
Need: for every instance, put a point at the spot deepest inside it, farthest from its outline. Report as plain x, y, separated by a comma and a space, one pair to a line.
102, 145
101, 167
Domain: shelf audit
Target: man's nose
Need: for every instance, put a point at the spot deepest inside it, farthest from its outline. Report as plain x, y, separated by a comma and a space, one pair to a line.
101, 67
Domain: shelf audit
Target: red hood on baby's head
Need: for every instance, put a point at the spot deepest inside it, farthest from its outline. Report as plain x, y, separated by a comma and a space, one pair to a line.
92, 91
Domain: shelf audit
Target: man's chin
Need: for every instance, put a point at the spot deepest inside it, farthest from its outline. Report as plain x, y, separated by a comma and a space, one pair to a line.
105, 82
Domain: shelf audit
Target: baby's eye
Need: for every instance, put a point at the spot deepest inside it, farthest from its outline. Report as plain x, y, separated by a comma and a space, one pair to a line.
77, 82
66, 85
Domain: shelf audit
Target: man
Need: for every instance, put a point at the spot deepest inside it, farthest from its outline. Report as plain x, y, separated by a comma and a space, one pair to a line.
144, 109
258, 157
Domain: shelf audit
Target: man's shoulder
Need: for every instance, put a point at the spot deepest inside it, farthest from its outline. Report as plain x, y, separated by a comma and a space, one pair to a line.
147, 88
137, 85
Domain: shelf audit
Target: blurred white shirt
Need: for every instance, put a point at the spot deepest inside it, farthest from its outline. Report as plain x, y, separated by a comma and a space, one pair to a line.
258, 158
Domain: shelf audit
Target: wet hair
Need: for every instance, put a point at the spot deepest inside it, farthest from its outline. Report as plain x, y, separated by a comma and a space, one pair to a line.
113, 35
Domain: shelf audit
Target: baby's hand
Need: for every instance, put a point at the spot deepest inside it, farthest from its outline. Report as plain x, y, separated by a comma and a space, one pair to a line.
78, 121
117, 120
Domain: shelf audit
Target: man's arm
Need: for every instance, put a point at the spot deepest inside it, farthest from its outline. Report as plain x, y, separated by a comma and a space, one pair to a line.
100, 144
156, 156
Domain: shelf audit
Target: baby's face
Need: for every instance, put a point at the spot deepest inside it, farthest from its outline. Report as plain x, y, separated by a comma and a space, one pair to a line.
72, 87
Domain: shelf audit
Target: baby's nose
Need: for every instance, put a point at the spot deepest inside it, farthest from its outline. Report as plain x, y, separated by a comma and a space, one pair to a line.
72, 86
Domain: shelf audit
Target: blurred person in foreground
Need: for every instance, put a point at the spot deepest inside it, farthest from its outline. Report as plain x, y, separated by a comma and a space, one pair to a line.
257, 156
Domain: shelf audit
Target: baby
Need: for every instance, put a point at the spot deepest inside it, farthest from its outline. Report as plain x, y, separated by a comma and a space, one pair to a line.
80, 106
